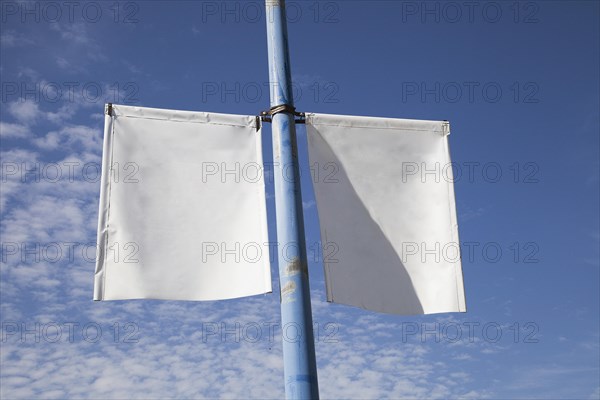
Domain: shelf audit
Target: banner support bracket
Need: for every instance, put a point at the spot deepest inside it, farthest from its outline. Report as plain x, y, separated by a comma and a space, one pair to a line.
267, 116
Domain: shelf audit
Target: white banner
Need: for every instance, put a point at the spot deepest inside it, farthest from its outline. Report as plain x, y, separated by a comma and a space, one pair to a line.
387, 213
182, 207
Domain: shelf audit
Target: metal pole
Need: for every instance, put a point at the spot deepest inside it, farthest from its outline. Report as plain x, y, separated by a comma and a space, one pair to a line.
299, 362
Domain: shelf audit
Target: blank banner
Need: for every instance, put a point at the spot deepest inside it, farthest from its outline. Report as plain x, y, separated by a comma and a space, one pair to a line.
182, 207
387, 213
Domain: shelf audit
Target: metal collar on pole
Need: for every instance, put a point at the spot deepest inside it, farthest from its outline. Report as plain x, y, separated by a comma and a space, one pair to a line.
267, 116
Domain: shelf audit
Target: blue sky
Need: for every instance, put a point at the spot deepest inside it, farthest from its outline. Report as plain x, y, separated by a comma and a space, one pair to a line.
518, 82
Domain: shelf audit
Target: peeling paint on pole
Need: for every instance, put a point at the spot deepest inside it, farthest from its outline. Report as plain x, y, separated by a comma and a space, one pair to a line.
296, 266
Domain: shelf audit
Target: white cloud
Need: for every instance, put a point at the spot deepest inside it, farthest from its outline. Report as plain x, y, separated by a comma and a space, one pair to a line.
14, 39
11, 172
71, 137
469, 213
62, 63
132, 68
46, 219
9, 130
75, 33
27, 111
80, 44
29, 73
173, 358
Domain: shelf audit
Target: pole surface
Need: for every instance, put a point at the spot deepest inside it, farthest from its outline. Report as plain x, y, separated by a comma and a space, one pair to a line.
299, 362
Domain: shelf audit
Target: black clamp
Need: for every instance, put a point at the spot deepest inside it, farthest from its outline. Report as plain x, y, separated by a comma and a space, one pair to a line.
267, 116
